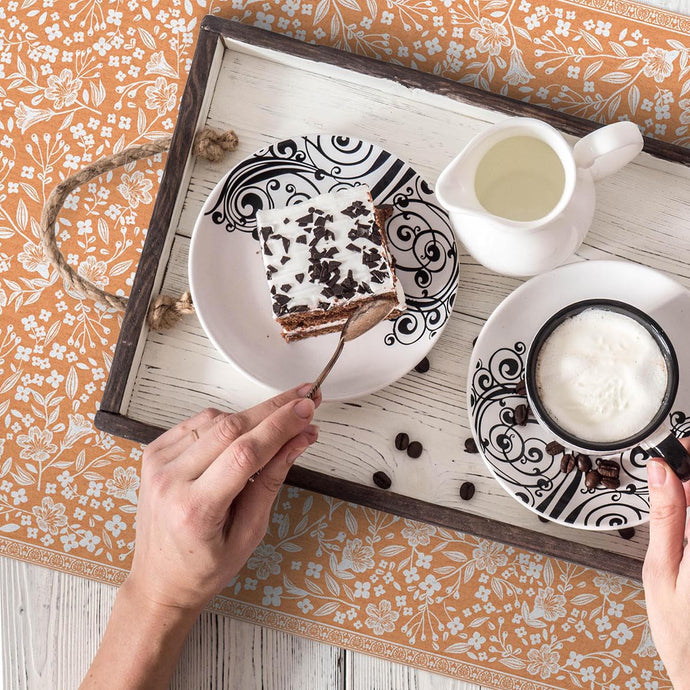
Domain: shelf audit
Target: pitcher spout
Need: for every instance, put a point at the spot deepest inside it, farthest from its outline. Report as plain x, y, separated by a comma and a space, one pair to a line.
520, 199
455, 186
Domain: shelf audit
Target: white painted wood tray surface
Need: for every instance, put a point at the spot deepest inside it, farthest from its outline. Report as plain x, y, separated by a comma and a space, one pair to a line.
266, 96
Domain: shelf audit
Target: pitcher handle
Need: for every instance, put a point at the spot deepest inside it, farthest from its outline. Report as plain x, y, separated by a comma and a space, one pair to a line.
608, 149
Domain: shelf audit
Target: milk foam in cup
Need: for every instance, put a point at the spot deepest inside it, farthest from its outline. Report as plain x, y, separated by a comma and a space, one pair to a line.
601, 377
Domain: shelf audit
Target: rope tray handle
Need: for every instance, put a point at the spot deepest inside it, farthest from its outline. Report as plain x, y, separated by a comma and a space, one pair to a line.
164, 311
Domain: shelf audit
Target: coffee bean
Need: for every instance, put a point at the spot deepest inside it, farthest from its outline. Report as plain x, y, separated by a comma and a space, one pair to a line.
521, 388
470, 446
611, 482
627, 532
584, 464
608, 468
567, 463
521, 415
466, 491
554, 448
382, 480
592, 479
402, 440
542, 519
423, 366
414, 450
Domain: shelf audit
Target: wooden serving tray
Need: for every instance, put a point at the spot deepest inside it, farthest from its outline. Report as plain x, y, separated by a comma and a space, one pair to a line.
269, 87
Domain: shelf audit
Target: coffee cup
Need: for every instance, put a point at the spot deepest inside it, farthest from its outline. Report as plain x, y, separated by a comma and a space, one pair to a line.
602, 376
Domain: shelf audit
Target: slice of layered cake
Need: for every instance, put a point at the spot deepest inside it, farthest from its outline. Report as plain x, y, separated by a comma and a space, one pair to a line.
324, 258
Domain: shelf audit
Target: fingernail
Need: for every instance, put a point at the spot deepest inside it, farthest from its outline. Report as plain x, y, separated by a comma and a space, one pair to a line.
311, 432
656, 473
294, 454
304, 409
303, 390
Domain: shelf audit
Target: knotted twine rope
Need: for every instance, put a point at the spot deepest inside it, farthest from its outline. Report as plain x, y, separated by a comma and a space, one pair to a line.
164, 311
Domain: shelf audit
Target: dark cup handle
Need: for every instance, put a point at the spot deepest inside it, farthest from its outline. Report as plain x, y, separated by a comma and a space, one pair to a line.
675, 455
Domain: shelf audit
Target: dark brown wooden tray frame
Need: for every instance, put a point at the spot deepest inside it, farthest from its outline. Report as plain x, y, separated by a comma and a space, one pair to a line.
108, 418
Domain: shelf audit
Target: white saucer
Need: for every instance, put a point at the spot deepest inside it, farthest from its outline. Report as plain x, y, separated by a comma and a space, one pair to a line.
227, 275
516, 454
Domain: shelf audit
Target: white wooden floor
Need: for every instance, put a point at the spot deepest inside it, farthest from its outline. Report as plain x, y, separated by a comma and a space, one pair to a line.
51, 623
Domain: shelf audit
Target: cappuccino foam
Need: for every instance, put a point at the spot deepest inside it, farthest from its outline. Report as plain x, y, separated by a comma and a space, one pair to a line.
601, 376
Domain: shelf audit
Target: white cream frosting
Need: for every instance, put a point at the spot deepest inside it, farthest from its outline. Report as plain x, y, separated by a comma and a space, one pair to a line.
324, 252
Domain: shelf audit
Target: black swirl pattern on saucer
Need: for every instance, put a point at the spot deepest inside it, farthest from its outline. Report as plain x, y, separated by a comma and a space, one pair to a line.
419, 232
517, 454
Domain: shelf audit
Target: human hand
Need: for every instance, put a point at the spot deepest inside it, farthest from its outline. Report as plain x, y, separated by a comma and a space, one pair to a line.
666, 572
200, 517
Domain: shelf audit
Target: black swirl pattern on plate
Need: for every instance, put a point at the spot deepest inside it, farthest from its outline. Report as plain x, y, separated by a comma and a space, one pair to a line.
419, 233
517, 454
289, 172
426, 259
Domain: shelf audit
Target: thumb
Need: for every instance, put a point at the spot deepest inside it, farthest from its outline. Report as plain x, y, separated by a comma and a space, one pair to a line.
666, 522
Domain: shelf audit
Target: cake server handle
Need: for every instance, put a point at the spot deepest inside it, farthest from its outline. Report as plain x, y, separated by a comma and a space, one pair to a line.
326, 370
361, 320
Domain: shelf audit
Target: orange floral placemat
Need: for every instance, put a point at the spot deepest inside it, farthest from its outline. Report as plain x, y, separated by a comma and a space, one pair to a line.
84, 78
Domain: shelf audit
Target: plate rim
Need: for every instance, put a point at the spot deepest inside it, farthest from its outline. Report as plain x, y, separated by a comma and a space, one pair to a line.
428, 343
496, 314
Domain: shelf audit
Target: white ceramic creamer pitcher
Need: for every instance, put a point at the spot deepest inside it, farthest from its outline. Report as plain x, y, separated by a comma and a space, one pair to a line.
521, 199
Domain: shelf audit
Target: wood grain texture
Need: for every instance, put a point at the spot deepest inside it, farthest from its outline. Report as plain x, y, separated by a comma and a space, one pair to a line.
428, 83
368, 673
680, 6
180, 372
221, 653
133, 323
51, 624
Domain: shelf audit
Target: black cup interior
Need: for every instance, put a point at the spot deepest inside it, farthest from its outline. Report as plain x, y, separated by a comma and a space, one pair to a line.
654, 330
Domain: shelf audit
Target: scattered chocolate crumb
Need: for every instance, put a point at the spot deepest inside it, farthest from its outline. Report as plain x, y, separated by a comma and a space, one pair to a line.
402, 440
471, 446
467, 490
542, 519
474, 340
567, 463
554, 448
584, 463
592, 479
423, 366
627, 532
414, 450
382, 480
521, 415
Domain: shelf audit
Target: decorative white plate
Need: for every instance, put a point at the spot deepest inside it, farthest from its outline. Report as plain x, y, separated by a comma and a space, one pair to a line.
227, 275
516, 454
